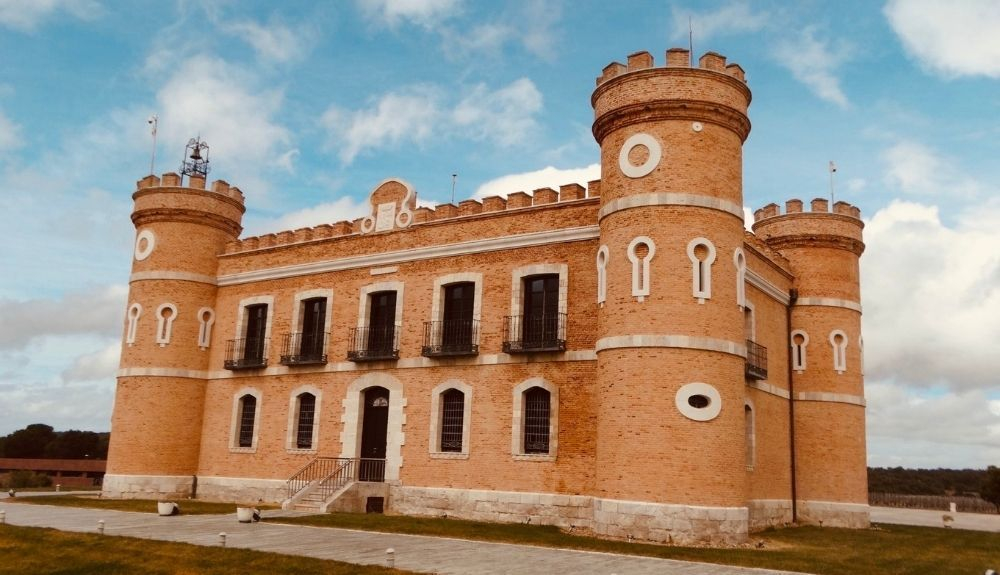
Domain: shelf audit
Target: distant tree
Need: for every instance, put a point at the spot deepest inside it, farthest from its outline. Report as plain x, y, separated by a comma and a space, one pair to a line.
29, 442
40, 441
990, 490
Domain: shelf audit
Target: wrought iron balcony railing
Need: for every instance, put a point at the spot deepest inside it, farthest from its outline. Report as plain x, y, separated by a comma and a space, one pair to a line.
246, 353
304, 348
373, 343
451, 338
756, 363
529, 333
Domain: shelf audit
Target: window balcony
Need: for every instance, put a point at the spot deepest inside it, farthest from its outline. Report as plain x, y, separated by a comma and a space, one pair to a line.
451, 338
304, 349
246, 353
373, 344
756, 362
529, 334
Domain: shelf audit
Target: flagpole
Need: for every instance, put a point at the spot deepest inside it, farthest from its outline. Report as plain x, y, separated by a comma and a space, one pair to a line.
833, 168
153, 120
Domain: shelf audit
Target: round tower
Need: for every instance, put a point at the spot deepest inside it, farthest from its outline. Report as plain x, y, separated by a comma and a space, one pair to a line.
823, 248
160, 395
671, 347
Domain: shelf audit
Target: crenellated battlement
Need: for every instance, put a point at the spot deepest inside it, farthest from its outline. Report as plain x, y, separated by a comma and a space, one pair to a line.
817, 206
439, 213
675, 58
173, 180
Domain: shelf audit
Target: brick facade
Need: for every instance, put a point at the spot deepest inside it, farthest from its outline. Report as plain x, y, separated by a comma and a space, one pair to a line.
650, 424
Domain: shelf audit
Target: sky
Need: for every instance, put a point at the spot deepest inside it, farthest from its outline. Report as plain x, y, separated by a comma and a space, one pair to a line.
308, 106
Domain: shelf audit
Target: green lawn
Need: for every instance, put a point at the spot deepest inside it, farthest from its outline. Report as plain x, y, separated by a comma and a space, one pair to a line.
50, 552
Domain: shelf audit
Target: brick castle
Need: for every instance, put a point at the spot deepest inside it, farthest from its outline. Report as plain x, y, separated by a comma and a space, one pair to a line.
624, 358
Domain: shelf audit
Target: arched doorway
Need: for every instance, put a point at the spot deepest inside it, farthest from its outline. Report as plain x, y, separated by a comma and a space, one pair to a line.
374, 432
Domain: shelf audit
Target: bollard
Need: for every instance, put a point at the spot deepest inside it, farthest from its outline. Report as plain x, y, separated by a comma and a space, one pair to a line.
58, 487
390, 557
3, 517
222, 539
100, 527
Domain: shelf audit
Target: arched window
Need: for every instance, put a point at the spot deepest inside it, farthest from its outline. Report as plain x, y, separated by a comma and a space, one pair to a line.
134, 311
452, 420
838, 339
305, 421
602, 274
247, 420
701, 252
741, 277
536, 420
165, 315
640, 251
751, 436
799, 341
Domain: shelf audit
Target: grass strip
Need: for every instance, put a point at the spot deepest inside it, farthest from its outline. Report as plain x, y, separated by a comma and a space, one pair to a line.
187, 507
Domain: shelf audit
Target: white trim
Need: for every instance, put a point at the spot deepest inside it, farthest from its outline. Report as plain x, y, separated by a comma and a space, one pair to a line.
768, 388
144, 252
750, 431
839, 350
602, 274
163, 372
689, 390
434, 445
829, 302
440, 282
669, 199
740, 260
749, 309
652, 160
165, 324
517, 421
291, 440
566, 235
831, 397
640, 278
517, 284
368, 290
298, 311
400, 219
234, 428
774, 292
205, 327
132, 319
384, 270
678, 341
701, 275
351, 418
799, 357
241, 316
170, 275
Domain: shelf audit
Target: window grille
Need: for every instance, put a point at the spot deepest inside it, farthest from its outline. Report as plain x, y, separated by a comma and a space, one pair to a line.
307, 416
248, 410
452, 420
536, 420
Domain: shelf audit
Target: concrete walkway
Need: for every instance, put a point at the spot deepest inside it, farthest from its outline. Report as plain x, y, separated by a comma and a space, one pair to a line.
413, 553
929, 518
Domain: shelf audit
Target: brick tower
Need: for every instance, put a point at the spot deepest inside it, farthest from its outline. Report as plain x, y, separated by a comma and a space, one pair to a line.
168, 330
670, 341
823, 248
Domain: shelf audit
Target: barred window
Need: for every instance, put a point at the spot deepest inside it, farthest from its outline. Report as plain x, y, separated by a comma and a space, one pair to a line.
248, 411
307, 416
452, 420
536, 420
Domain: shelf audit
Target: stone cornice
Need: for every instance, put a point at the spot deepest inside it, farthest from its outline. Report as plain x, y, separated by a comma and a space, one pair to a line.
857, 247
661, 110
188, 216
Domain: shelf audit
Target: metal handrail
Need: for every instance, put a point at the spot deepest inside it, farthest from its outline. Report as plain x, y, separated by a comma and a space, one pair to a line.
373, 343
303, 348
451, 337
246, 353
530, 333
329, 474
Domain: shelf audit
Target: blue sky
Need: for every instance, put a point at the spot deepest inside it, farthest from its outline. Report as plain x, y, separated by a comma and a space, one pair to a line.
308, 106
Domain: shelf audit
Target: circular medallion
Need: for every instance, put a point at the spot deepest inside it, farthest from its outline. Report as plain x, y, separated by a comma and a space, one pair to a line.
696, 126
145, 241
652, 160
698, 401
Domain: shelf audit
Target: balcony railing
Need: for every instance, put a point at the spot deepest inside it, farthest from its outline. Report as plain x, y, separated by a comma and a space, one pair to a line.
373, 343
527, 333
246, 353
756, 363
451, 338
304, 348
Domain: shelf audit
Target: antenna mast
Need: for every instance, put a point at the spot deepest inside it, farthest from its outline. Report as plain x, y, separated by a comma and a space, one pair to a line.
152, 121
453, 178
690, 43
833, 169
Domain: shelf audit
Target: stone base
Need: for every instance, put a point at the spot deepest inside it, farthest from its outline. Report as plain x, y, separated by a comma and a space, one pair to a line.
241, 489
834, 514
766, 513
355, 499
605, 517
148, 486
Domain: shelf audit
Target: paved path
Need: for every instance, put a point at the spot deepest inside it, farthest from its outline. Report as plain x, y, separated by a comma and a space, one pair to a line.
928, 518
414, 553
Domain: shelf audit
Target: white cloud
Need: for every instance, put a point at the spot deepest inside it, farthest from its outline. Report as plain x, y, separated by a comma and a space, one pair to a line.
953, 38
426, 13
92, 312
10, 134
97, 366
814, 62
915, 169
732, 18
342, 209
26, 15
548, 177
931, 295
505, 115
274, 42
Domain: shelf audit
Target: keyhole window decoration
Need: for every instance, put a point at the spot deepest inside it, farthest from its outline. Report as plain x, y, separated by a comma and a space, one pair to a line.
632, 162
838, 339
741, 277
206, 319
602, 275
134, 311
640, 251
799, 341
165, 315
701, 252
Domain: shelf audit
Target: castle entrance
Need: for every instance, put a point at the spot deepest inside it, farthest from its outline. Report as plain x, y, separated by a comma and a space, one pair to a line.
374, 431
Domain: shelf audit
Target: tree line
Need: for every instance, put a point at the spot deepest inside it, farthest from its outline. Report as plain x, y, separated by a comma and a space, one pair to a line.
40, 441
